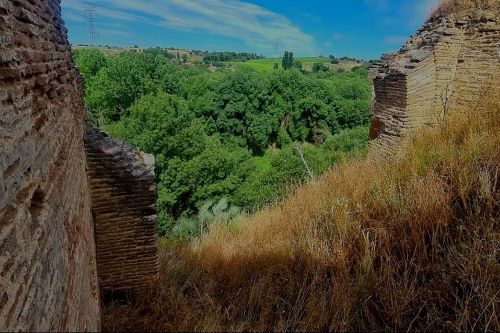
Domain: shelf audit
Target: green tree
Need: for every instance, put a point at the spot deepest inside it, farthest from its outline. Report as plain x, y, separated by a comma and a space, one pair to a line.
297, 64
318, 67
126, 77
162, 124
241, 109
231, 135
287, 61
283, 138
186, 184
159, 51
89, 62
334, 60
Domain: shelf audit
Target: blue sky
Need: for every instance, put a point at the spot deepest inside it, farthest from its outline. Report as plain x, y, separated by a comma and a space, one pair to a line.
356, 28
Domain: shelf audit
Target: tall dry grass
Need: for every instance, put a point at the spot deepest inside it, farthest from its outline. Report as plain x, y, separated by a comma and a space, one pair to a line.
411, 244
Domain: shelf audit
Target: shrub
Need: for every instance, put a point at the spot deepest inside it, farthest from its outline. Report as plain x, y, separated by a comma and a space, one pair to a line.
319, 67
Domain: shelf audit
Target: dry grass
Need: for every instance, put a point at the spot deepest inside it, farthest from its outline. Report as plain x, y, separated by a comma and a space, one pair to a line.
460, 7
407, 245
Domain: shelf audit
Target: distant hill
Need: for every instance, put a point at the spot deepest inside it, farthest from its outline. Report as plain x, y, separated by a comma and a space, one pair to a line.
114, 50
266, 64
307, 63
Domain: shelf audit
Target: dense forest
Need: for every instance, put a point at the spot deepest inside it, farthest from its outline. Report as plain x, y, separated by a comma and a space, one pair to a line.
225, 142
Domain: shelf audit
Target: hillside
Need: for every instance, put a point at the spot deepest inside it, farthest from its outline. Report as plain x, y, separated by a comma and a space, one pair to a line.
411, 244
267, 65
253, 199
115, 50
404, 240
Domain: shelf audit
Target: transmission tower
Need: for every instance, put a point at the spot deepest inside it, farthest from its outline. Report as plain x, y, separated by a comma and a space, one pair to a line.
90, 14
276, 47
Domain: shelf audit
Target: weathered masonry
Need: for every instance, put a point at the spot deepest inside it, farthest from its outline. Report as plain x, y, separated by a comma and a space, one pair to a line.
47, 262
50, 276
122, 183
451, 63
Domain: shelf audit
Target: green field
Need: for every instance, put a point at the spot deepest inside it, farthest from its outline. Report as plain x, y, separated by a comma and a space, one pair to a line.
265, 65
261, 65
268, 64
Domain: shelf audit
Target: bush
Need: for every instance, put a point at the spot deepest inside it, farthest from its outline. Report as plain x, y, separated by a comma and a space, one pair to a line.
319, 67
283, 139
350, 140
89, 62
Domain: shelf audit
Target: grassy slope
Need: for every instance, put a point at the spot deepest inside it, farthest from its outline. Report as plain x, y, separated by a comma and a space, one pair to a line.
267, 65
114, 50
410, 244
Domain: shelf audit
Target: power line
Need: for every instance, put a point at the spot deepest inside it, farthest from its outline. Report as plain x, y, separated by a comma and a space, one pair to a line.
90, 14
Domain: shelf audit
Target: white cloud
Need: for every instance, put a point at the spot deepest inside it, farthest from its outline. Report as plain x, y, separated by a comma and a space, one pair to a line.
257, 26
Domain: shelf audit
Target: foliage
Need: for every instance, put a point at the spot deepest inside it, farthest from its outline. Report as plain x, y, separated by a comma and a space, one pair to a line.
349, 140
287, 61
267, 65
89, 61
317, 67
217, 57
335, 60
159, 51
214, 135
126, 77
297, 64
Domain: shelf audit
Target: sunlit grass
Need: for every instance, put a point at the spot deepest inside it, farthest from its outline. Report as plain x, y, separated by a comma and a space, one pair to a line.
268, 63
407, 244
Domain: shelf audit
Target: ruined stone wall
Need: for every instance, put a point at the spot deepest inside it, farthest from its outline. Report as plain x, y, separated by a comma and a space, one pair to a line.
122, 183
47, 261
450, 64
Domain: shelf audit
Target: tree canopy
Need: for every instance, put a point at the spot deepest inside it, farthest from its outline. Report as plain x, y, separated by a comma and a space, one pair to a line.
229, 136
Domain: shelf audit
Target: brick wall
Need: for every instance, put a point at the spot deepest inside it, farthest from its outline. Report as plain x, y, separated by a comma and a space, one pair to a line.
450, 64
123, 188
47, 252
